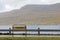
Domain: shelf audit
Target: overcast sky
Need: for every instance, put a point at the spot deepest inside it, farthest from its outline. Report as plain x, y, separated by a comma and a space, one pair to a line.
7, 5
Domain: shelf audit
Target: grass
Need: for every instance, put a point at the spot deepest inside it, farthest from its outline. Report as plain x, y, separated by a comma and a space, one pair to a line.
30, 38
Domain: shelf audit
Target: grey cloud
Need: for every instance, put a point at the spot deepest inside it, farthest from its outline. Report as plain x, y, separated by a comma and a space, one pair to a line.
13, 3
20, 3
1, 6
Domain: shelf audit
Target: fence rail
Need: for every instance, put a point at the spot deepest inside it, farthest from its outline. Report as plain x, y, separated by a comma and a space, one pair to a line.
29, 30
10, 31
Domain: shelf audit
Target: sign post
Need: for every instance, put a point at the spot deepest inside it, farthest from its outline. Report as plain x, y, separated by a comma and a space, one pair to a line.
20, 27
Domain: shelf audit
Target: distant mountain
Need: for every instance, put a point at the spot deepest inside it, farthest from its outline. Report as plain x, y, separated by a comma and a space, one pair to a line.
32, 14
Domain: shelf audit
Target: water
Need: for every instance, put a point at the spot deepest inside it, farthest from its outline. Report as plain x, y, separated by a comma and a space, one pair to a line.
35, 27
50, 27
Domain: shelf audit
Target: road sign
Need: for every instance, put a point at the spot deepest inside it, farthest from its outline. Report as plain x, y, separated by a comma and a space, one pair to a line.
19, 27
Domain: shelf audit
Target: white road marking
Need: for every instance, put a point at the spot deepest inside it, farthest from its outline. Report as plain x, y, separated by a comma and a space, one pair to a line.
27, 36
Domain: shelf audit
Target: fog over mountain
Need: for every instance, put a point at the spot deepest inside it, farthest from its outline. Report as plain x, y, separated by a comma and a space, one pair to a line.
32, 14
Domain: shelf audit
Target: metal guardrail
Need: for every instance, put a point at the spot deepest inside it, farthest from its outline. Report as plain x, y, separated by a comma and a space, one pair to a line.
28, 30
10, 31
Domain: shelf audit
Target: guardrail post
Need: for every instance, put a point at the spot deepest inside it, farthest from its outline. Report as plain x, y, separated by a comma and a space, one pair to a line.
9, 31
25, 33
38, 31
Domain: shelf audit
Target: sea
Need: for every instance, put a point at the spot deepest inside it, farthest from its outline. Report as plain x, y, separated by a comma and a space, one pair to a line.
46, 27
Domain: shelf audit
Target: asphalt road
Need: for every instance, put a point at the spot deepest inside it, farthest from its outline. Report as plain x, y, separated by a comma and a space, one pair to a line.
27, 36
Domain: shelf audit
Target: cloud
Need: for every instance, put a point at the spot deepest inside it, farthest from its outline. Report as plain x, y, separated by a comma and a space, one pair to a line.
44, 1
6, 5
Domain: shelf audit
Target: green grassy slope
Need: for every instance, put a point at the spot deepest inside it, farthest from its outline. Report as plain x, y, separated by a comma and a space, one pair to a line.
31, 38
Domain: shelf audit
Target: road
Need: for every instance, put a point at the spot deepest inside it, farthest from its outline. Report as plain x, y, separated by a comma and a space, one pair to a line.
27, 36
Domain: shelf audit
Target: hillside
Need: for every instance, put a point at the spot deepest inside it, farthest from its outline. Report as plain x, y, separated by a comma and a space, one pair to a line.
32, 14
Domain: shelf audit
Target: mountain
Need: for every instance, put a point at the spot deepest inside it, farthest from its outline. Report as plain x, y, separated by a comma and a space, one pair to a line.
32, 14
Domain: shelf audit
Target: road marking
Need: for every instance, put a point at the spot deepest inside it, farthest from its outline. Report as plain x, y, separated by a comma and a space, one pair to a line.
26, 36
